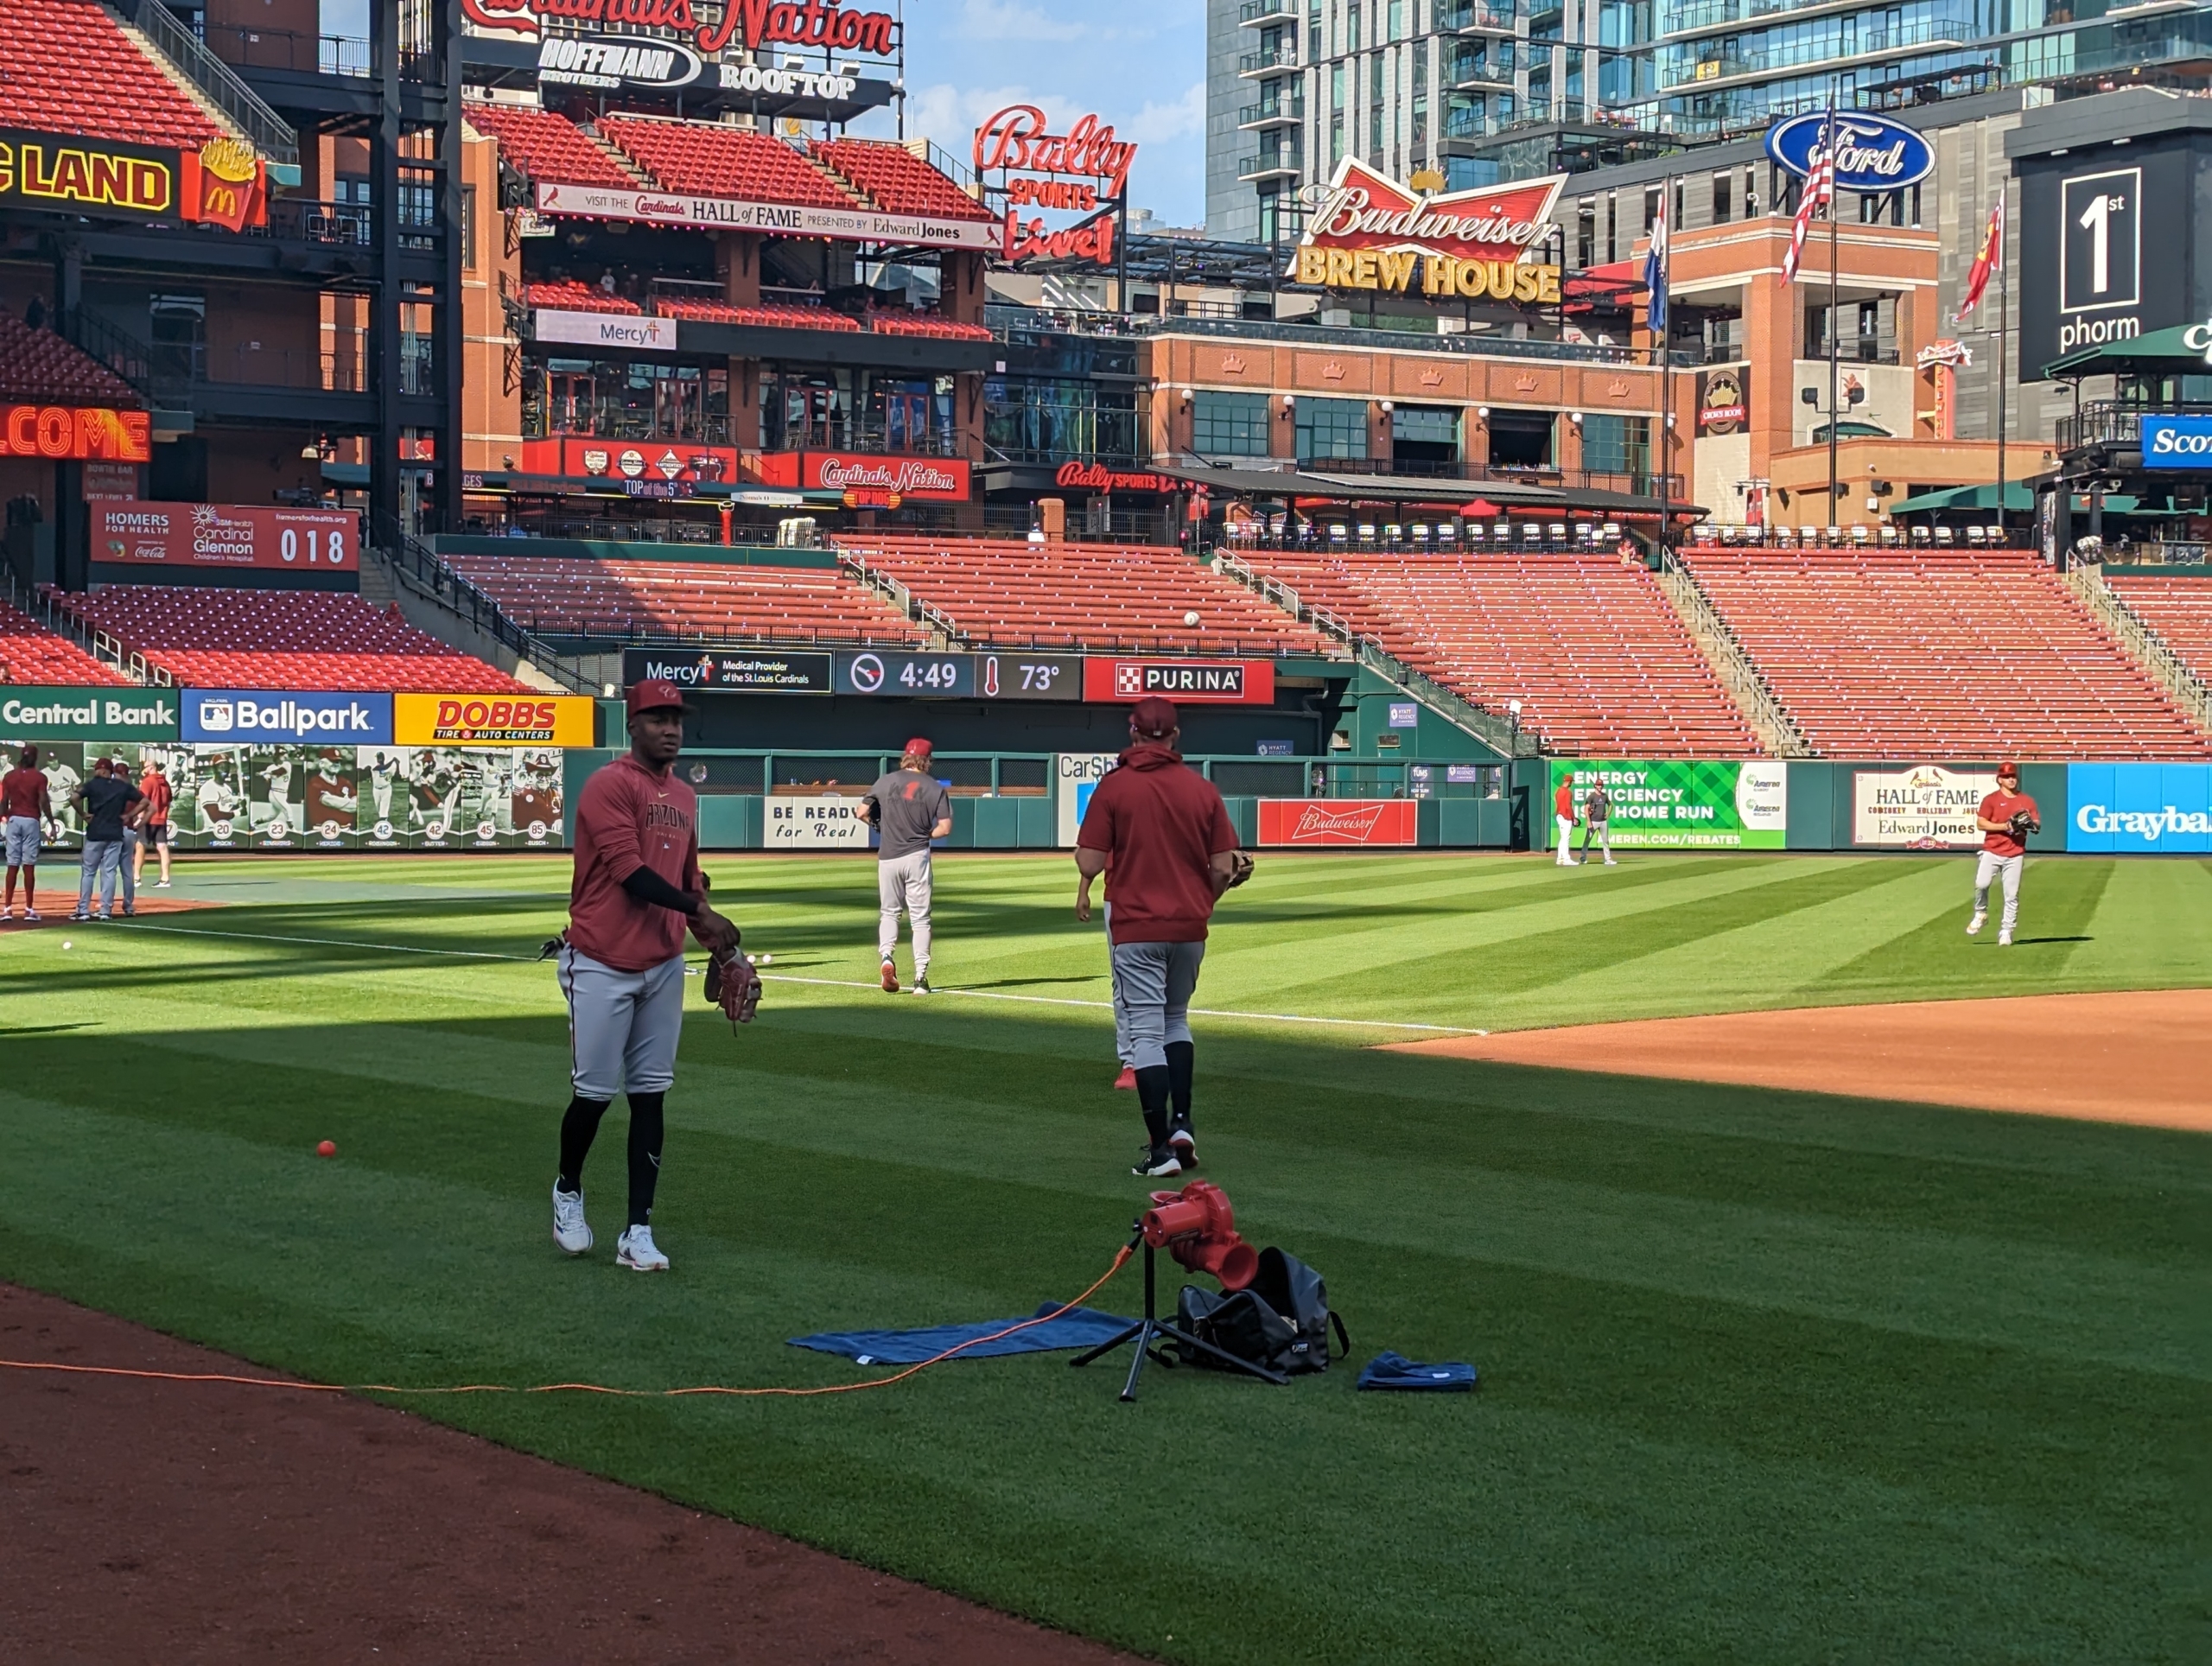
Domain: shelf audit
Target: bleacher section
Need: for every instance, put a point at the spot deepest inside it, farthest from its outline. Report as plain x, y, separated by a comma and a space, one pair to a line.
1903, 654
37, 367
776, 317
1601, 664
2177, 611
1110, 598
569, 294
565, 596
31, 653
899, 181
69, 68
221, 638
545, 146
725, 162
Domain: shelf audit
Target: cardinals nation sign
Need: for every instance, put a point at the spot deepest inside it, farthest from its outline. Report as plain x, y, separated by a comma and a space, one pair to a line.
1370, 232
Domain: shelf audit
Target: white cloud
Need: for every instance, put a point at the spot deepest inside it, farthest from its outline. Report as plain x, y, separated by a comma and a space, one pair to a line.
1160, 124
949, 115
1005, 20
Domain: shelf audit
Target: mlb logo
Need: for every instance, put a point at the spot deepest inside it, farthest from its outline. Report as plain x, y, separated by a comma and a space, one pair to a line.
217, 716
1129, 679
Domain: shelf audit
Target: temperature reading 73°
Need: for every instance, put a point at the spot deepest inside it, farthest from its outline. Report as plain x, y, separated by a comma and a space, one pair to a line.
1038, 679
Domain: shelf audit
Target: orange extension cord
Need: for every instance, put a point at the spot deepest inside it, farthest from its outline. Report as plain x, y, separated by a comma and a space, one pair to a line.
1120, 1259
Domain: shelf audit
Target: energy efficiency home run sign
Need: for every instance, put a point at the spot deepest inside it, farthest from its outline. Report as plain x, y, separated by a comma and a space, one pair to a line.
1677, 804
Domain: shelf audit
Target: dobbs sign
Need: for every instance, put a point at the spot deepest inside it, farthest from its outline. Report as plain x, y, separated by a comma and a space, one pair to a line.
1370, 232
490, 719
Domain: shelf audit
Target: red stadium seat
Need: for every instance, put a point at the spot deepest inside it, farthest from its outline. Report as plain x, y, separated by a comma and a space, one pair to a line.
70, 68
39, 366
542, 146
776, 317
567, 595
716, 161
570, 295
899, 181
31, 653
2177, 610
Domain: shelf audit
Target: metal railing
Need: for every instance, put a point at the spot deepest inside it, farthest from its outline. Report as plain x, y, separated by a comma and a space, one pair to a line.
1272, 109
1475, 342
1731, 661
411, 560
1475, 16
2143, 640
2120, 421
1284, 57
1252, 10
349, 55
270, 133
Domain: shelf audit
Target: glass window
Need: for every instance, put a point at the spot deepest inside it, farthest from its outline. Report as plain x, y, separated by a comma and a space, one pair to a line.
1331, 427
1617, 445
1229, 424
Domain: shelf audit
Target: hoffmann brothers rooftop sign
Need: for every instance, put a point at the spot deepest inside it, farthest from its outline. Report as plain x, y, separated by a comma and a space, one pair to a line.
756, 24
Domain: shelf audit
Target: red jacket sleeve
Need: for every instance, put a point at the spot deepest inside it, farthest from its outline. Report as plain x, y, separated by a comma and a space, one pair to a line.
1221, 836
606, 810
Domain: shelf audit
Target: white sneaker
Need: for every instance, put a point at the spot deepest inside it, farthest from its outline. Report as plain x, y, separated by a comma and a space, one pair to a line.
1610, 862
2004, 939
33, 914
571, 1230
161, 885
635, 1250
1975, 925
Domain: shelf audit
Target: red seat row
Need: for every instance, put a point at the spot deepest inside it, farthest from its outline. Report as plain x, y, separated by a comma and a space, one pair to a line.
2176, 609
545, 146
898, 179
903, 323
563, 595
779, 317
70, 68
571, 294
38, 365
31, 653
715, 161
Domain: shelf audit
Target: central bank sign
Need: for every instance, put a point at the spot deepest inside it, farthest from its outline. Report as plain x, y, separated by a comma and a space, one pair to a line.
66, 714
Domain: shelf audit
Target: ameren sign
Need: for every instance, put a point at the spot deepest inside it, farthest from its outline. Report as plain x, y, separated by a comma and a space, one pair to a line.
60, 714
772, 218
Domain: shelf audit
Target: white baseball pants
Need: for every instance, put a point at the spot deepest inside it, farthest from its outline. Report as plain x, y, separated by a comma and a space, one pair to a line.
1566, 825
1992, 866
904, 882
623, 1026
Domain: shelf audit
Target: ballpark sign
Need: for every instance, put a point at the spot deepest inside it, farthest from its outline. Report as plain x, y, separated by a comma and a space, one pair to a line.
1339, 821
258, 718
1370, 231
854, 225
1673, 804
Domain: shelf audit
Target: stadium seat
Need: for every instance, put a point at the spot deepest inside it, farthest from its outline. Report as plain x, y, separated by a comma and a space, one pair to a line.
570, 596
1600, 661
70, 68
718, 160
543, 147
218, 638
896, 179
1125, 598
1906, 654
571, 294
38, 366
31, 653
2176, 610
774, 317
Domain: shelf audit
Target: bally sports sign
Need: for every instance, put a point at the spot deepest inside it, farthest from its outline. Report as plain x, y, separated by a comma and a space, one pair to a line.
1370, 232
490, 719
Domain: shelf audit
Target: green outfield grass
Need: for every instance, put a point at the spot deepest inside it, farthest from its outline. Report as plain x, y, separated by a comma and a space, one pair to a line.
1766, 1378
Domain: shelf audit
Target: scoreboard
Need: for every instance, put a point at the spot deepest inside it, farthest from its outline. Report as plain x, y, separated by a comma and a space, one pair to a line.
991, 676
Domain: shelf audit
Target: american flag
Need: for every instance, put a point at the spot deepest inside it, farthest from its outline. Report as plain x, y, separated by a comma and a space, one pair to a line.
1819, 192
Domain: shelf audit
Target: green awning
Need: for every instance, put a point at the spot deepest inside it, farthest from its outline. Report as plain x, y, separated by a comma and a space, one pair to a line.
2162, 352
2016, 496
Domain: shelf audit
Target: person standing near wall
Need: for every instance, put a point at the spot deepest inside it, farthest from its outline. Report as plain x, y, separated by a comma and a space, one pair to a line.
106, 801
28, 805
1597, 813
1563, 820
908, 808
156, 831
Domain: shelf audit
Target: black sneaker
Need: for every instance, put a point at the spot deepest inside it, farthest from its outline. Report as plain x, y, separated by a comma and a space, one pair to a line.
922, 987
1184, 1144
1155, 1162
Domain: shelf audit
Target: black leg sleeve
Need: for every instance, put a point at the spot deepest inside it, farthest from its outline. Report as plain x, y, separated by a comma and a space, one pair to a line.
646, 1130
1182, 1061
1151, 1094
579, 1125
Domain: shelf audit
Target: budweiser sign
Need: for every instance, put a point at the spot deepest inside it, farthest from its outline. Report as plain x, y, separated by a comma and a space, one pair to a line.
1339, 821
1370, 232
1017, 138
758, 23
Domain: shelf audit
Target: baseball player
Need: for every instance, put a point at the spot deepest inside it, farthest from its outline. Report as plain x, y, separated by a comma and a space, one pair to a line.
279, 777
1596, 817
2005, 818
637, 886
27, 803
1162, 831
62, 782
383, 766
1563, 816
908, 808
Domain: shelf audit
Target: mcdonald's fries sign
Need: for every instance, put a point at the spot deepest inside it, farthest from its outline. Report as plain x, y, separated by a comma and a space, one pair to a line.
223, 183
490, 719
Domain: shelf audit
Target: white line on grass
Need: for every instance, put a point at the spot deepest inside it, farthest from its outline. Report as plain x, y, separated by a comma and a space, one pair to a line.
824, 982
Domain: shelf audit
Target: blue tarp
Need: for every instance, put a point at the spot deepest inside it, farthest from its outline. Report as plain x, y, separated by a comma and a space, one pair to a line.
1391, 1370
1079, 1327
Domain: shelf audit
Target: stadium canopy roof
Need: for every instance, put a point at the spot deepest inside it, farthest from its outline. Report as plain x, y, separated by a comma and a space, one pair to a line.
2016, 496
2162, 352
1503, 495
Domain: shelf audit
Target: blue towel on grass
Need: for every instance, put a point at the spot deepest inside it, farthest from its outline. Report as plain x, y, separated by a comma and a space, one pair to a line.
1394, 1371
1079, 1327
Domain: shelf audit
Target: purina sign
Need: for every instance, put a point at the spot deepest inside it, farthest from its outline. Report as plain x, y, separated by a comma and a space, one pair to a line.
1186, 681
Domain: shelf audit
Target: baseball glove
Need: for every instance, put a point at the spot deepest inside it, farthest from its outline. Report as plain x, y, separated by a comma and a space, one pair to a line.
2023, 824
732, 985
1240, 872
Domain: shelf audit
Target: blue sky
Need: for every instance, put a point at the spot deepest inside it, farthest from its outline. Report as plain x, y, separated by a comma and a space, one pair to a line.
1140, 64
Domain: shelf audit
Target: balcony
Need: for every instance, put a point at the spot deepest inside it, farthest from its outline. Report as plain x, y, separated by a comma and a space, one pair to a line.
1271, 165
292, 52
1255, 118
1858, 47
2120, 421
1253, 13
1279, 61
1467, 19
1492, 71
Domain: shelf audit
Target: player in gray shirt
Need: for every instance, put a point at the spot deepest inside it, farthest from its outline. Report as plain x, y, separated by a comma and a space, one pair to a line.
908, 808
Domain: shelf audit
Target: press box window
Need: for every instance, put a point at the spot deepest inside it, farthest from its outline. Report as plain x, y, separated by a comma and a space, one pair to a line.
1331, 427
1229, 424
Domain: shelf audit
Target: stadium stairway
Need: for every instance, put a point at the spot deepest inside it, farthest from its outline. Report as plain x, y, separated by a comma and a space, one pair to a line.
1778, 733
2165, 623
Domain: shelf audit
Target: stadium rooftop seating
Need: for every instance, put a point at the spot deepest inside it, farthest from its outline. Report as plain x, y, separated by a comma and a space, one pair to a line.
70, 68
39, 366
908, 323
278, 639
1111, 597
1887, 654
2176, 610
899, 181
31, 653
781, 317
567, 595
545, 146
715, 161
1600, 662
571, 294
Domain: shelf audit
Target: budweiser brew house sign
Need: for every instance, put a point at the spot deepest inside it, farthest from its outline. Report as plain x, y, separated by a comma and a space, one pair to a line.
753, 23
1086, 169
1371, 232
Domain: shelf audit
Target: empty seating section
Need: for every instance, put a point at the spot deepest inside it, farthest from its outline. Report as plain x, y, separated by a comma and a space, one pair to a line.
545, 146
31, 653
39, 366
724, 162
1126, 598
70, 68
906, 323
1903, 654
568, 595
899, 181
569, 294
219, 638
1600, 662
2177, 611
779, 317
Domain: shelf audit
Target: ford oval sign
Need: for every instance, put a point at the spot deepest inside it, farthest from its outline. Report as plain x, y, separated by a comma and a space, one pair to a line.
1872, 155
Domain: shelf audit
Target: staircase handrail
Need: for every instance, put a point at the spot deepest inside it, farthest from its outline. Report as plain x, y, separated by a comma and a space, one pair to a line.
1744, 678
411, 560
2143, 641
272, 136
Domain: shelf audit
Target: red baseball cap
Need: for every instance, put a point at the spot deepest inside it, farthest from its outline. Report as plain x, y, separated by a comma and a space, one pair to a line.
657, 694
917, 747
2013, 770
1154, 718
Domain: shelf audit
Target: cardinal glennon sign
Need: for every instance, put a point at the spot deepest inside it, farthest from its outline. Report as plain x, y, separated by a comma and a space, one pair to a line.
1370, 232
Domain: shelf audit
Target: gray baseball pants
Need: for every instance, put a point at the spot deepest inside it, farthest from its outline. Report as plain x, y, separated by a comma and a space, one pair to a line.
1990, 866
1156, 981
623, 1026
904, 882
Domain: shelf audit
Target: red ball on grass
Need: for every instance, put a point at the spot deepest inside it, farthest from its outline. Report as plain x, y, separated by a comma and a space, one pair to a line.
327, 1148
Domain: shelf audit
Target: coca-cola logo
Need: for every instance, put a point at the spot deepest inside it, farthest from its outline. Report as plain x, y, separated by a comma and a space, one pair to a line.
1320, 822
1365, 209
762, 22
1017, 137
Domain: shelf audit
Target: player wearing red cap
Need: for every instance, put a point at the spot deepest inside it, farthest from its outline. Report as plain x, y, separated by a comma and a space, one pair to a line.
637, 888
2005, 818
1160, 831
908, 808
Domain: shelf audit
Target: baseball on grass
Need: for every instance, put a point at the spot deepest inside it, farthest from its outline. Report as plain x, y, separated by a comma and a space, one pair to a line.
1191, 617
764, 960
66, 944
327, 1148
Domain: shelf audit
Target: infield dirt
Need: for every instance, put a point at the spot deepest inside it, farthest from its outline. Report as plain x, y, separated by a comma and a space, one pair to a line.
2134, 1059
212, 1521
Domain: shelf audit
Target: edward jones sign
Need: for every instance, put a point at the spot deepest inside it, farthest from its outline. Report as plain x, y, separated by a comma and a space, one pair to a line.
1339, 821
227, 535
490, 719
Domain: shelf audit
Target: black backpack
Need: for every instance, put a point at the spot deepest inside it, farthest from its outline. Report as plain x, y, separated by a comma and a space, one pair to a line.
1281, 1321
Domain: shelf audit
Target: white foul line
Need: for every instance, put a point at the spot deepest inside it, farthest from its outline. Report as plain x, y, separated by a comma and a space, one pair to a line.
829, 982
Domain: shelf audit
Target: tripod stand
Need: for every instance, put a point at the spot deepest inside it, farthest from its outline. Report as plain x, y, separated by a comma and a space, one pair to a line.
1149, 1330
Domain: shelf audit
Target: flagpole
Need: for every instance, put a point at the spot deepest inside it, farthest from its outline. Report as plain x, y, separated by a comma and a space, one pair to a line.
1661, 359
1835, 335
2004, 356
